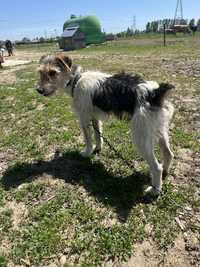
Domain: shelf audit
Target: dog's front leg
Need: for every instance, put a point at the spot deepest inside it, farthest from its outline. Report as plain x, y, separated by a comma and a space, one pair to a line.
87, 134
97, 125
167, 154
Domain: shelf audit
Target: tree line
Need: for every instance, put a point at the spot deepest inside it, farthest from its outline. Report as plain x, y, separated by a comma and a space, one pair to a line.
155, 26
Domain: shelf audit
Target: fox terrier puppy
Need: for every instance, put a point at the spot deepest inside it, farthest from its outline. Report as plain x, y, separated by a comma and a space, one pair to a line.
97, 95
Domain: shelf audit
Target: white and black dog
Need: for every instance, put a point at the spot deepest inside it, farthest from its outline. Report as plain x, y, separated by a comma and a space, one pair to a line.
96, 95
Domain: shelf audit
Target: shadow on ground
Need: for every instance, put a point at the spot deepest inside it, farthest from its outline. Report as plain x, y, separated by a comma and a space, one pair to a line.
122, 193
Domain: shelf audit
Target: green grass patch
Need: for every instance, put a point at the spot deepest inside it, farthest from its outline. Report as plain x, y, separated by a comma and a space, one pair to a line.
186, 139
30, 192
5, 222
3, 260
2, 197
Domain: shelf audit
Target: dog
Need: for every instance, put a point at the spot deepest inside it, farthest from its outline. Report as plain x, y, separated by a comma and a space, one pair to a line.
98, 95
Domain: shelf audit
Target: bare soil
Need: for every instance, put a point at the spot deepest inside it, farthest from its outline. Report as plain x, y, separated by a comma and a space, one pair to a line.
15, 63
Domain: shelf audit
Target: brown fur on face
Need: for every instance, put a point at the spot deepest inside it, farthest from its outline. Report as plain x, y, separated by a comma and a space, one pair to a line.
64, 62
54, 71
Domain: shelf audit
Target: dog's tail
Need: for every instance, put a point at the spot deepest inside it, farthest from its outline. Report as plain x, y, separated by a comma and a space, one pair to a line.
157, 96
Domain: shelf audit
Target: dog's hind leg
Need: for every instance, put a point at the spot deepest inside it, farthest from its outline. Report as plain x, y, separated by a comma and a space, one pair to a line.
143, 137
147, 152
167, 154
97, 125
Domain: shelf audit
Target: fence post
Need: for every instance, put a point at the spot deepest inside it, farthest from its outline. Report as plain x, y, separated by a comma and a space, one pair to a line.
164, 34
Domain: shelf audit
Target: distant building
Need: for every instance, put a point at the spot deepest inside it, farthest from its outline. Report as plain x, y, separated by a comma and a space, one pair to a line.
80, 32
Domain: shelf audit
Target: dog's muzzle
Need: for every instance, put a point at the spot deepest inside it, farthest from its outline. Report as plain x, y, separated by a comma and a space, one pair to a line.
40, 90
43, 92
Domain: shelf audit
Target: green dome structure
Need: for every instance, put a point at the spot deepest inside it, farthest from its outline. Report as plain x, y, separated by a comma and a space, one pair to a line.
87, 28
89, 25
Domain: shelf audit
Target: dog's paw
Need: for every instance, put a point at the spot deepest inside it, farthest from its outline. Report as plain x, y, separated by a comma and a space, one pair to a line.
86, 153
164, 174
150, 190
96, 150
150, 194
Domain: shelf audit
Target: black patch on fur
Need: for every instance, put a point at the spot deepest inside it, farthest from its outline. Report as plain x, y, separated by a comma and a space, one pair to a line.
156, 97
74, 82
118, 94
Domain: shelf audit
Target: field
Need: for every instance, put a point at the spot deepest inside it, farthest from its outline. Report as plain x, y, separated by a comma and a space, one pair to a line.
58, 209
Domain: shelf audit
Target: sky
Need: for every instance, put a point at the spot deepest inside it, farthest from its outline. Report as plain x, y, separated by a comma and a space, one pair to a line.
26, 18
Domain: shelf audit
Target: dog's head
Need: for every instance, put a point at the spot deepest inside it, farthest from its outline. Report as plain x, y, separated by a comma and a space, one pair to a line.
55, 72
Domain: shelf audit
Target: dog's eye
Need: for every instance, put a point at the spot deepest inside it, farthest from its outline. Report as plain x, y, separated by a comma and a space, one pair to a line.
52, 73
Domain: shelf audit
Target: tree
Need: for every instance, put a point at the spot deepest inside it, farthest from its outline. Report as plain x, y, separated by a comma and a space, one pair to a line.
129, 32
42, 39
198, 25
192, 26
26, 40
72, 16
154, 26
148, 27
192, 23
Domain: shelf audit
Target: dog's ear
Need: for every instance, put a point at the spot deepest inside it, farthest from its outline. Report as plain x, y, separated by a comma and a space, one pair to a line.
64, 62
42, 58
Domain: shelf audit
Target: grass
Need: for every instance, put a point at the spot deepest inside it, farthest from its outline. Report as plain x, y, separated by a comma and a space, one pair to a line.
37, 47
5, 222
3, 260
89, 210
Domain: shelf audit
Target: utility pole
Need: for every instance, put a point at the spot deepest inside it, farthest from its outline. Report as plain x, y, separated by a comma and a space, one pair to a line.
178, 17
45, 34
134, 24
55, 33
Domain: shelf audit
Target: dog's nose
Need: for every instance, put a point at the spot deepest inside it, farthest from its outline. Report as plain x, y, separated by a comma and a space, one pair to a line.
40, 89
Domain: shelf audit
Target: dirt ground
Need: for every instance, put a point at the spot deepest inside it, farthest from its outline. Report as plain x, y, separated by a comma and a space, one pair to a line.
15, 63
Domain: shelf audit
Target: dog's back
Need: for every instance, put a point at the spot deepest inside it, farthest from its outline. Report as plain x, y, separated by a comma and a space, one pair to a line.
121, 93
